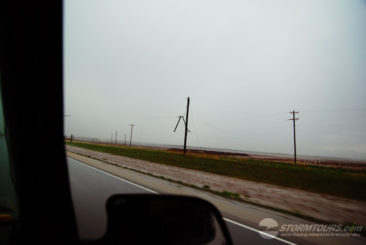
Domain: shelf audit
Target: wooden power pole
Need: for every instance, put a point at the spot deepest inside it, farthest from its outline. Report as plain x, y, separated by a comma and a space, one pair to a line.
186, 129
293, 119
186, 126
132, 125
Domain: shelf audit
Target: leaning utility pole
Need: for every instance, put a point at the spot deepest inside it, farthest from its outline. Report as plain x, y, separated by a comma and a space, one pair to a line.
132, 125
186, 130
293, 119
186, 126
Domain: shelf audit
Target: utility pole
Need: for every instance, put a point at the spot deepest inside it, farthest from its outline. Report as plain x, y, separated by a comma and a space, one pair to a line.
186, 126
293, 119
132, 125
125, 138
115, 139
186, 130
112, 138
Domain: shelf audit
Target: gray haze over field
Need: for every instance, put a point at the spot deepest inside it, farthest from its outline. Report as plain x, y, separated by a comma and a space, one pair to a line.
244, 64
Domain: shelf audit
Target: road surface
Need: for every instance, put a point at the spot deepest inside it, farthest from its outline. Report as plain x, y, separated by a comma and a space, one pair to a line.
92, 187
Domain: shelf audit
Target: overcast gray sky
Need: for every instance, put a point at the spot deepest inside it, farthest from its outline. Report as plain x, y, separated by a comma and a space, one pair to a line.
244, 64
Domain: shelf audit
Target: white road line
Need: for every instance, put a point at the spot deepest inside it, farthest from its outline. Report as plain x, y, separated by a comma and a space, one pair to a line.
228, 220
258, 231
119, 178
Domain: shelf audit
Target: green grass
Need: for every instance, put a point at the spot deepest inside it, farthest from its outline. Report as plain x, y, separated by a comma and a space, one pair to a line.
229, 194
338, 182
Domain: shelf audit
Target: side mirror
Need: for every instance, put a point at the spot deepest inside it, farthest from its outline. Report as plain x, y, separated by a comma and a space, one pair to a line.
163, 219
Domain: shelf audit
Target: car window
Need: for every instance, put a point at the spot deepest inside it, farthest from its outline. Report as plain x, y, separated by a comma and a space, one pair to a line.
261, 102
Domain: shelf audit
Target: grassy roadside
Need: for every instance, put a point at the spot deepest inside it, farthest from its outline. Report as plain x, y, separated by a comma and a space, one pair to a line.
338, 182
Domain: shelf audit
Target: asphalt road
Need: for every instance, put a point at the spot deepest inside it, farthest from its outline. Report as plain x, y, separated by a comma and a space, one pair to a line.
92, 187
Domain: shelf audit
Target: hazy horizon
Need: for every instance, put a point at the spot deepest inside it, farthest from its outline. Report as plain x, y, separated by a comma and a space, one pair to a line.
244, 64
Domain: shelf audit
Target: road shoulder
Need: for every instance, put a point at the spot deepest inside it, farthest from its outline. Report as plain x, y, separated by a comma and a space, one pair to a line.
244, 213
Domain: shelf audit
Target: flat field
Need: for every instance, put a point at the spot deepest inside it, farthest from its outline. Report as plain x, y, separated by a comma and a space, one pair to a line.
346, 183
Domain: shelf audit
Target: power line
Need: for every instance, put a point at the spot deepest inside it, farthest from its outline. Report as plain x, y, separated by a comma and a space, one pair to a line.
231, 119
337, 110
197, 137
